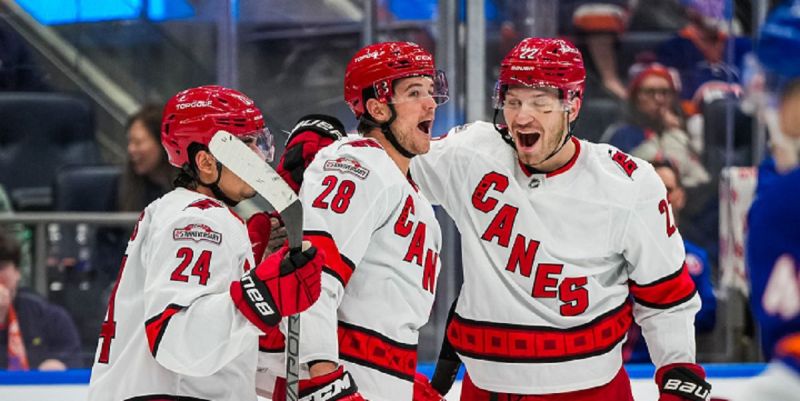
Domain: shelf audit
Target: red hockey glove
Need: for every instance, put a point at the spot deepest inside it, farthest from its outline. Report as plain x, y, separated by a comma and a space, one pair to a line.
279, 286
335, 386
311, 133
423, 391
266, 232
682, 382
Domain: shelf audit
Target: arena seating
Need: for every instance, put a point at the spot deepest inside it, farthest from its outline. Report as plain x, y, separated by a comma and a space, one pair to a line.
42, 133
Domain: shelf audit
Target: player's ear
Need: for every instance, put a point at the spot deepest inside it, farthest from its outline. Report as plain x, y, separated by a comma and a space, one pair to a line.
573, 107
205, 162
378, 110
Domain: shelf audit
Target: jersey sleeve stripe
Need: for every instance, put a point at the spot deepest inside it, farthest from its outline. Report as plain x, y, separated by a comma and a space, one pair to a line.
666, 292
336, 264
376, 351
156, 325
513, 343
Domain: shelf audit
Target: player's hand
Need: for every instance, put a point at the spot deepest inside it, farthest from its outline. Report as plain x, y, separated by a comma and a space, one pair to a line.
423, 391
281, 285
337, 385
682, 382
266, 232
311, 133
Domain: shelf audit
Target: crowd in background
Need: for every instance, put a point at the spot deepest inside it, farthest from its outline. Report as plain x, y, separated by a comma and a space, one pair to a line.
667, 97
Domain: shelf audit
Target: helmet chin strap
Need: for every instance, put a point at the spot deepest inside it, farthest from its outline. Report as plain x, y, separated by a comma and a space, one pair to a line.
387, 131
566, 137
216, 190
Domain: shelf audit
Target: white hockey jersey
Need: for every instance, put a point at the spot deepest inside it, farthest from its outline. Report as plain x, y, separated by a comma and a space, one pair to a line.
171, 330
551, 259
382, 243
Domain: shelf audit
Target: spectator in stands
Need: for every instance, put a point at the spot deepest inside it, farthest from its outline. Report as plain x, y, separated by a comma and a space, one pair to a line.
18, 71
36, 334
697, 263
148, 174
701, 51
653, 128
598, 25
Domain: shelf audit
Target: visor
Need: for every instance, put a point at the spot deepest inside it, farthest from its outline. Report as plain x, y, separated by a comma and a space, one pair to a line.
261, 142
440, 93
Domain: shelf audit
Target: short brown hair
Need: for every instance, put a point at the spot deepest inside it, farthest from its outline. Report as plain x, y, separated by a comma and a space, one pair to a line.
9, 249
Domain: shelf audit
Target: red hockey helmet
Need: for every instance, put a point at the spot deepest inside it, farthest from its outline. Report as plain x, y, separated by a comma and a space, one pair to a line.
195, 115
542, 62
378, 66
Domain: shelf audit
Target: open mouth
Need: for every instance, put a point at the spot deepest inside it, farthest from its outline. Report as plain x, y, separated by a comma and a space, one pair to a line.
425, 126
527, 140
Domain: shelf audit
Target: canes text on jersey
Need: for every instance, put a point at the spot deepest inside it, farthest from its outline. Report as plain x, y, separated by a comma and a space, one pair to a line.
417, 253
547, 282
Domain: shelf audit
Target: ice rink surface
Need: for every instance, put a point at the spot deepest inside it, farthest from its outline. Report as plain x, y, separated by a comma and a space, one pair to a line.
726, 380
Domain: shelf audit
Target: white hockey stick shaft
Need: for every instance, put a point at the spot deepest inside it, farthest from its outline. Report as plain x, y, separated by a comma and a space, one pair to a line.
245, 163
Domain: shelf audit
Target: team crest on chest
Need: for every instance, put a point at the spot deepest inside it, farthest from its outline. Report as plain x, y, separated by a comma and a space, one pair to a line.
197, 233
348, 166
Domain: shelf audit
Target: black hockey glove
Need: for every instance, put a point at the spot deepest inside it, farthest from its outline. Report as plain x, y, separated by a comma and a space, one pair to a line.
311, 133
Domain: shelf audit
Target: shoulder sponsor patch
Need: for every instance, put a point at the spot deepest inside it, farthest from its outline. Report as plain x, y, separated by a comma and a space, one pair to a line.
197, 233
624, 161
346, 165
204, 204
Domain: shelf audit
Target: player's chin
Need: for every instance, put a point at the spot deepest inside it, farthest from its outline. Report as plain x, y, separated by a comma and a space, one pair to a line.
248, 193
422, 147
528, 157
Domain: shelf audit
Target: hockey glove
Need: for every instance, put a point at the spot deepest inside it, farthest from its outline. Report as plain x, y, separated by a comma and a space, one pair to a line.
335, 386
423, 391
448, 364
682, 382
279, 286
311, 133
266, 232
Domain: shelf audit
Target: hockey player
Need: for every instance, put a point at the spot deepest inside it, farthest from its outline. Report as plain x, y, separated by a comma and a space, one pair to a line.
556, 234
773, 241
188, 306
379, 233
773, 262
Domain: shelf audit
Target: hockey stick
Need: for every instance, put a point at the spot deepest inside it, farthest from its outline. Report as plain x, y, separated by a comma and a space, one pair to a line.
246, 164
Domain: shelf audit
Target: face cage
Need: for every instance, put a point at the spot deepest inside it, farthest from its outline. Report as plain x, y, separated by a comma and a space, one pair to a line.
261, 142
384, 88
